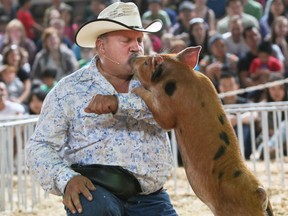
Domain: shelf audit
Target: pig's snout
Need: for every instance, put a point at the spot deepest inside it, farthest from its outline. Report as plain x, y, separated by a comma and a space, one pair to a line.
132, 59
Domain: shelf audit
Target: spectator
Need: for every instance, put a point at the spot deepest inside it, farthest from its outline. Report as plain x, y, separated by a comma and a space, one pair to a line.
55, 55
235, 7
204, 12
276, 93
48, 79
265, 64
227, 83
36, 101
279, 36
55, 5
53, 14
156, 12
186, 12
254, 8
234, 37
199, 35
25, 16
277, 8
8, 107
219, 61
7, 8
13, 84
70, 26
15, 35
17, 57
59, 25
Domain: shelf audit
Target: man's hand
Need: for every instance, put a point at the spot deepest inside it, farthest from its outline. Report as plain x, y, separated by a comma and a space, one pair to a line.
102, 104
77, 185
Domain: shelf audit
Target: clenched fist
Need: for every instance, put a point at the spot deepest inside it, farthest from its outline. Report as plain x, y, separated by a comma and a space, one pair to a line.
102, 104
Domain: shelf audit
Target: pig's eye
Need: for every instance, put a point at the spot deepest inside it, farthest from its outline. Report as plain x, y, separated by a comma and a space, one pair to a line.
146, 63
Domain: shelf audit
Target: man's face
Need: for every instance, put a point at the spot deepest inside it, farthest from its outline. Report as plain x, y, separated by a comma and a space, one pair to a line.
120, 46
253, 38
227, 84
235, 8
154, 8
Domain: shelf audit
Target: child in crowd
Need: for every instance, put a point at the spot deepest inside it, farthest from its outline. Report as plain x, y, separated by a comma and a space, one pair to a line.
49, 79
263, 65
13, 84
8, 107
36, 100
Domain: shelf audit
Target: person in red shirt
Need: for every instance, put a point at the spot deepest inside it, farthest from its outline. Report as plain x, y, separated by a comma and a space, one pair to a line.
265, 64
25, 16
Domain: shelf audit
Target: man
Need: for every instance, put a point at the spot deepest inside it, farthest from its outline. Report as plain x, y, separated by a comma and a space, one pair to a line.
235, 7
186, 12
234, 38
123, 143
156, 11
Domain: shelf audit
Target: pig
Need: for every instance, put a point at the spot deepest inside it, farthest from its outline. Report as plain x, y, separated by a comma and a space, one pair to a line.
185, 100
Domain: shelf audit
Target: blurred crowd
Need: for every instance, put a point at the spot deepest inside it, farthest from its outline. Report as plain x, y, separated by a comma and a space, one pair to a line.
244, 43
243, 38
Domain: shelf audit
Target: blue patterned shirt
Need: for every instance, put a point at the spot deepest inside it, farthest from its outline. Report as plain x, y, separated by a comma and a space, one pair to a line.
65, 134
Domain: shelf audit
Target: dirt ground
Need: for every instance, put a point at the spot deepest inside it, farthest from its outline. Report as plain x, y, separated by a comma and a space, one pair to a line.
184, 200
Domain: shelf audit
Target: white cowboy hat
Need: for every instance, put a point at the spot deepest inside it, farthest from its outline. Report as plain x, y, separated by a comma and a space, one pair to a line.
117, 16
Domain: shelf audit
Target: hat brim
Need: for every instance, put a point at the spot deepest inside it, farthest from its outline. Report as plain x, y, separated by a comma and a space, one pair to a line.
88, 33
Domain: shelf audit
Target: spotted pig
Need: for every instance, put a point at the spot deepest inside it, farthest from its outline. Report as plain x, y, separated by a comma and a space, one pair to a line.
186, 100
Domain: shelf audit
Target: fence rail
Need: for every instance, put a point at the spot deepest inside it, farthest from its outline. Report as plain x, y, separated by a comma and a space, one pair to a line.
19, 191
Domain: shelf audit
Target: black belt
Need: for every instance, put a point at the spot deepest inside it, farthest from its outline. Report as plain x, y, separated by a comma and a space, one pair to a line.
117, 180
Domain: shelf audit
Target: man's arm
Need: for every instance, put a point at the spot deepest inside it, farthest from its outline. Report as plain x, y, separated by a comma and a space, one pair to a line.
49, 137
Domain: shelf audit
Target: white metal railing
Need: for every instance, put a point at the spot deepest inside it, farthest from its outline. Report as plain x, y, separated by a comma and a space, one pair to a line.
19, 191
279, 124
16, 185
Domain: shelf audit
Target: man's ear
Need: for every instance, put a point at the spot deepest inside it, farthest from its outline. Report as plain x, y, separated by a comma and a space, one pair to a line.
189, 56
100, 46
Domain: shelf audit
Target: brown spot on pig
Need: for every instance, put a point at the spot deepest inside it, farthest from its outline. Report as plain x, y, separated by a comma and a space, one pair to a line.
223, 136
222, 119
170, 88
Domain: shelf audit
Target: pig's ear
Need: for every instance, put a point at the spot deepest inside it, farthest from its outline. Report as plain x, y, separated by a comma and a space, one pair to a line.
189, 56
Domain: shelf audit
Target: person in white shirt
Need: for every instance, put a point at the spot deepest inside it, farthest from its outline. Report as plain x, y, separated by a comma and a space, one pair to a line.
8, 107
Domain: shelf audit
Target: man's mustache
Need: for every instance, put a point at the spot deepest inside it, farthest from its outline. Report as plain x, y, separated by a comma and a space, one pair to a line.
133, 57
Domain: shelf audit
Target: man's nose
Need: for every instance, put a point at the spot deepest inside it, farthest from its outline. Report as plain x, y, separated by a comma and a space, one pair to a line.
136, 47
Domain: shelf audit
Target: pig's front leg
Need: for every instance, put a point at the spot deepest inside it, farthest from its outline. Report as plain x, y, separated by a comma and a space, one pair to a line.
146, 96
162, 113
